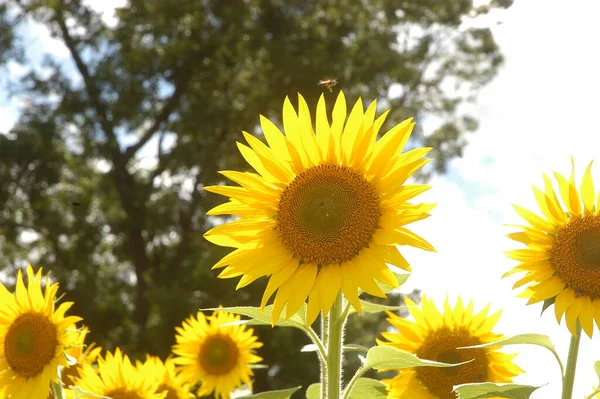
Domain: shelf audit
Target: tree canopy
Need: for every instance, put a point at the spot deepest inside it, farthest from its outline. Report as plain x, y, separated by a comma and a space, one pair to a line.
101, 177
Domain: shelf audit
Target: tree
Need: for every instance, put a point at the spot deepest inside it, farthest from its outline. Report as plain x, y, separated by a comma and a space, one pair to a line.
181, 79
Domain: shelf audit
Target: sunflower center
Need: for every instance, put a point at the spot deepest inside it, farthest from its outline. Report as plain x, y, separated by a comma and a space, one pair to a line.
171, 393
30, 343
327, 214
121, 393
575, 254
440, 345
218, 355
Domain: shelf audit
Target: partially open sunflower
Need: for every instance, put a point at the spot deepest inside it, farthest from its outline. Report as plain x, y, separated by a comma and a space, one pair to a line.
562, 260
326, 208
34, 335
437, 336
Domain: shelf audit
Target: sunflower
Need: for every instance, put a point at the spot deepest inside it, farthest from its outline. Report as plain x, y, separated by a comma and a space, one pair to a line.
435, 336
175, 387
562, 259
216, 356
33, 337
117, 378
326, 209
82, 353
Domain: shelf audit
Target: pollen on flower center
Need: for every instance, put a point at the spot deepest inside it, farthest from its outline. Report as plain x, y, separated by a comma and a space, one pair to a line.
121, 393
441, 345
218, 355
327, 214
30, 343
575, 254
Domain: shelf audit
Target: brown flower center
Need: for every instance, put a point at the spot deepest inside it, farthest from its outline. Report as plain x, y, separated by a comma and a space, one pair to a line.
121, 393
440, 345
218, 354
30, 343
171, 392
327, 214
575, 254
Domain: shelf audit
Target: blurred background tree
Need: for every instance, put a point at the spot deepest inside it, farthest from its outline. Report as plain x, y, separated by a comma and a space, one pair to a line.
101, 177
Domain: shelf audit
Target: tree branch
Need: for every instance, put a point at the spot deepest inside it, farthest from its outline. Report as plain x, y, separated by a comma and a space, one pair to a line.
162, 117
90, 86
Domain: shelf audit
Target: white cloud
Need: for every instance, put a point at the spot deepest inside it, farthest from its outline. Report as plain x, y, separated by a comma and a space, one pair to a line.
541, 109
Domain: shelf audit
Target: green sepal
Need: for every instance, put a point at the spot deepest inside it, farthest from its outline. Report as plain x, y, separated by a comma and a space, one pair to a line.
494, 390
370, 307
81, 394
279, 394
401, 277
314, 391
547, 303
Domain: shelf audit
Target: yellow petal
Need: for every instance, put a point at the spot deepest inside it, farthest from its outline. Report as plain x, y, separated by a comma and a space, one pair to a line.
351, 131
276, 140
325, 290
291, 126
281, 171
546, 289
553, 199
400, 236
301, 283
309, 141
278, 278
323, 129
350, 284
388, 145
586, 316
337, 126
596, 305
587, 189
572, 314
533, 219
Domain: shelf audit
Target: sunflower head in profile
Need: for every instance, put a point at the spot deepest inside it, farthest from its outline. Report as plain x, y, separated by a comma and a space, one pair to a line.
436, 336
34, 335
171, 384
216, 355
81, 352
325, 210
117, 378
561, 263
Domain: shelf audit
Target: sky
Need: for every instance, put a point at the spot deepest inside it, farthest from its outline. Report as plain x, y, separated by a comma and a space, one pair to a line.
538, 111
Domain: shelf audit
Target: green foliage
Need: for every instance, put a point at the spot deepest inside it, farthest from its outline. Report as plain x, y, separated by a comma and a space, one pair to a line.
494, 390
279, 394
182, 79
383, 358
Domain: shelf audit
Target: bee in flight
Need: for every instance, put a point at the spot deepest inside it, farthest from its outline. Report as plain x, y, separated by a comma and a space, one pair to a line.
329, 83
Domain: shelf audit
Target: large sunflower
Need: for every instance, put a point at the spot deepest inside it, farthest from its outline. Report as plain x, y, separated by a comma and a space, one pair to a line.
436, 336
117, 378
325, 210
175, 386
33, 337
216, 356
562, 259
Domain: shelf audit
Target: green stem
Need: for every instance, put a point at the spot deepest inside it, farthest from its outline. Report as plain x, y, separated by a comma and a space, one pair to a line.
57, 390
335, 332
361, 370
591, 396
325, 342
569, 376
320, 348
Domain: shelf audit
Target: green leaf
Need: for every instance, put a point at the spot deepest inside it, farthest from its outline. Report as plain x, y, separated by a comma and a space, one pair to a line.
493, 390
280, 394
368, 388
525, 339
313, 391
298, 320
309, 348
402, 277
258, 366
597, 368
81, 394
385, 357
355, 348
370, 307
